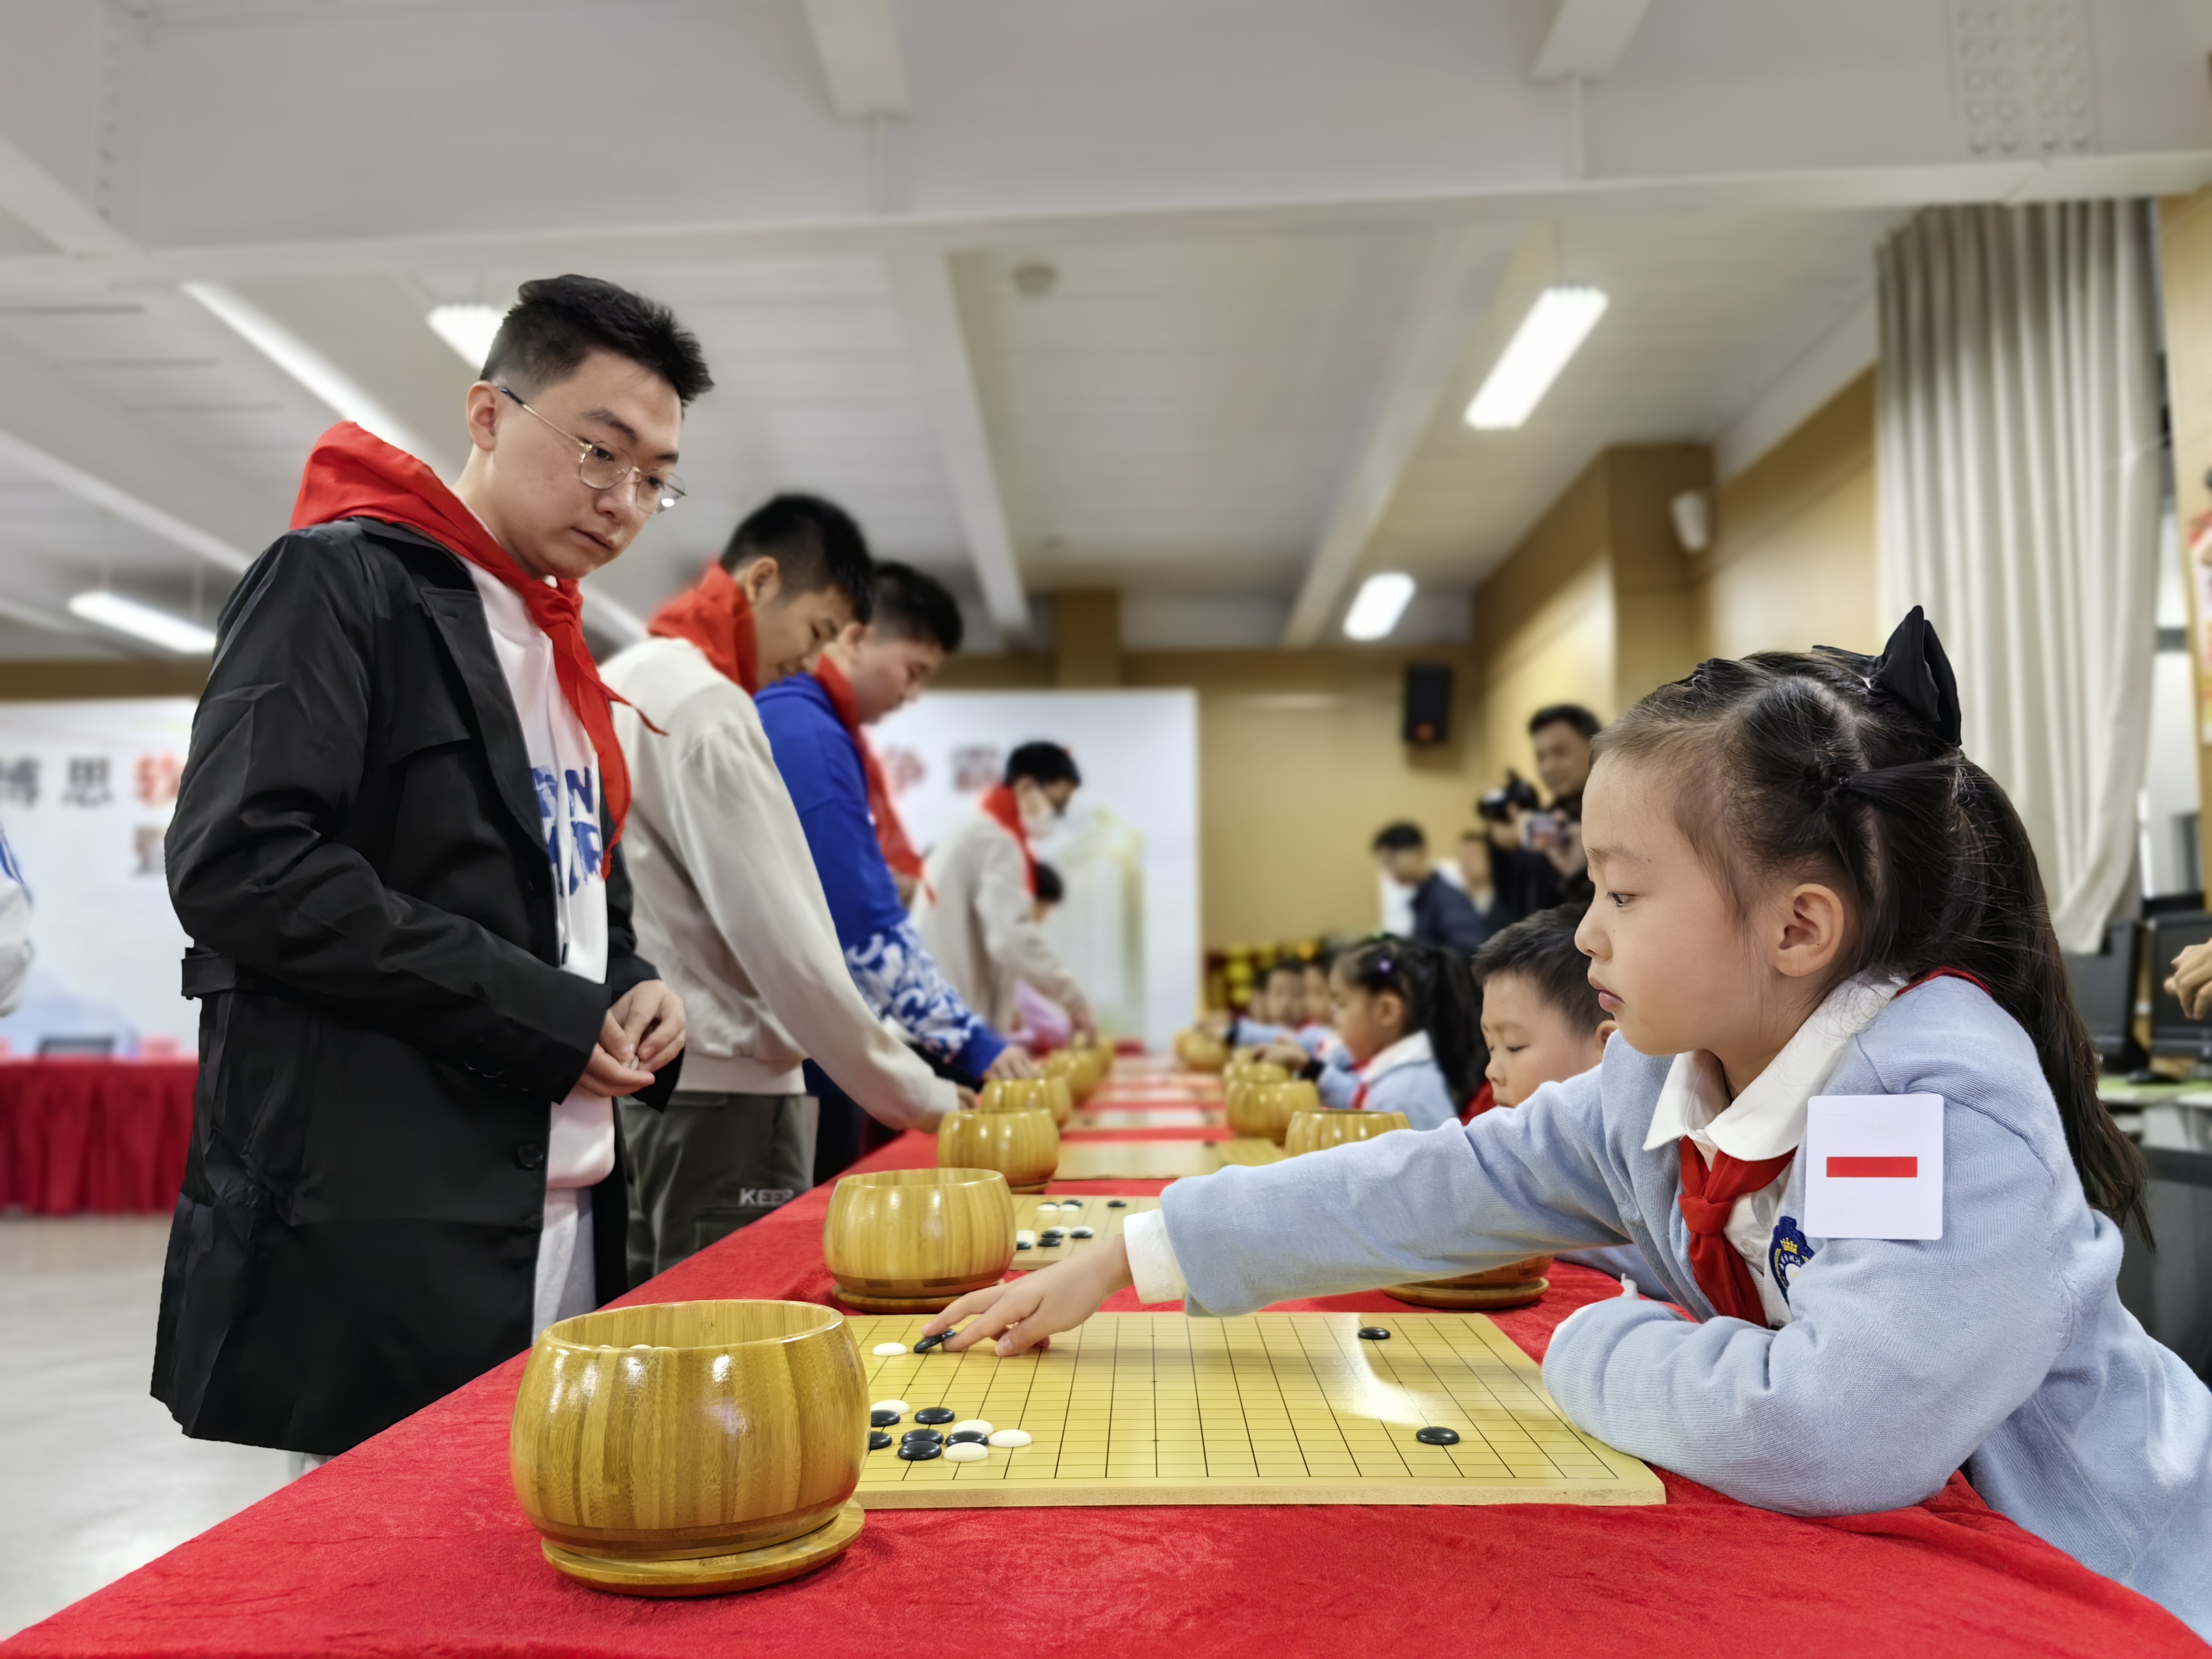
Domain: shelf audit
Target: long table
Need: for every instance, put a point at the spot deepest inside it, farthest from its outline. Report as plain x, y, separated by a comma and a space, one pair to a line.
103, 1136
413, 1544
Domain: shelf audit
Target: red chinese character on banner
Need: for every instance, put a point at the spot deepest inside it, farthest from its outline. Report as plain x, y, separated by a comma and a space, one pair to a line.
158, 776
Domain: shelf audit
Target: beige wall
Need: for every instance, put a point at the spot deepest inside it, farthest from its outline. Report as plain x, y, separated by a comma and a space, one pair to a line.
1795, 561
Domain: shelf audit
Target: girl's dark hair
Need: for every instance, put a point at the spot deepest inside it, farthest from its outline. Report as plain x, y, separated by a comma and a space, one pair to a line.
1438, 993
1808, 763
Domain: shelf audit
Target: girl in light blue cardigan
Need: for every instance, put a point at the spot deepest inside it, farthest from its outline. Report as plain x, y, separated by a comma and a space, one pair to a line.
1406, 1025
1818, 924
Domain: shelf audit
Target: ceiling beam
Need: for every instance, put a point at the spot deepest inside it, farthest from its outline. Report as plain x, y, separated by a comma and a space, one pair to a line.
103, 454
1448, 297
1587, 39
41, 201
937, 346
857, 42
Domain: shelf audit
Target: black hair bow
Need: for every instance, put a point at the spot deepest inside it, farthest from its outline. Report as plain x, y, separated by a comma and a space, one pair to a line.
1913, 673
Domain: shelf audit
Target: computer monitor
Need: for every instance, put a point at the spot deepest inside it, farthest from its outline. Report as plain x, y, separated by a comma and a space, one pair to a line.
2172, 1031
2104, 986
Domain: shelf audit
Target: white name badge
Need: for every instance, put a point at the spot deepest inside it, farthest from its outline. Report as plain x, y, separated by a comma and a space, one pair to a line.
1874, 1166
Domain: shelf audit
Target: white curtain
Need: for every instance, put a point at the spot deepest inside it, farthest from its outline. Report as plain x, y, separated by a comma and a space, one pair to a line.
2018, 465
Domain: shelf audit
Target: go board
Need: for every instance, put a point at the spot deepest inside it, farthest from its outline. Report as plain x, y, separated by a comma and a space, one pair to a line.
1103, 1216
1268, 1408
1157, 1160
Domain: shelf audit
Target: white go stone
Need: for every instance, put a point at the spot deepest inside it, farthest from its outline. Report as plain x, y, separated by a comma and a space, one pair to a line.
974, 1423
1008, 1437
898, 1405
1022, 1236
1042, 1208
966, 1452
885, 1349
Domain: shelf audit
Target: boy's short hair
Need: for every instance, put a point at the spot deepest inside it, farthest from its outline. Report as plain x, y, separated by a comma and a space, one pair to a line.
1285, 965
1541, 949
1400, 837
1043, 763
556, 322
911, 605
815, 544
1051, 888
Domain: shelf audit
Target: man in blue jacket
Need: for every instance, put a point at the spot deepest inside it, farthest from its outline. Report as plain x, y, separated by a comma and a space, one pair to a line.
813, 723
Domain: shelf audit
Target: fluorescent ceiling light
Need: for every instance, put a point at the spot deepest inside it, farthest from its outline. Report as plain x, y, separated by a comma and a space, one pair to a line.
1381, 601
469, 329
144, 622
305, 364
1551, 334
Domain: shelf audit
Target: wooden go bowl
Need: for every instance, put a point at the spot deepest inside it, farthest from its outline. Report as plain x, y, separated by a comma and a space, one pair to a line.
1313, 1131
651, 1444
1515, 1286
1257, 1111
918, 1239
1201, 1051
1081, 1069
1023, 1146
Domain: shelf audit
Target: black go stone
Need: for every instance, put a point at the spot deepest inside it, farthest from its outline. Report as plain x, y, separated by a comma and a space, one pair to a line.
921, 1451
877, 1440
1373, 1334
913, 1437
965, 1435
1117, 1203
1434, 1435
880, 1418
1081, 1232
1021, 1244
935, 1414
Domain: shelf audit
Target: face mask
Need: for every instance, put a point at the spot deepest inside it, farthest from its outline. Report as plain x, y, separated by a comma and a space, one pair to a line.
1036, 825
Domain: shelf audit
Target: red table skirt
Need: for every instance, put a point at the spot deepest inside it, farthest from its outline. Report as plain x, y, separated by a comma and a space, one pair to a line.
413, 1544
108, 1136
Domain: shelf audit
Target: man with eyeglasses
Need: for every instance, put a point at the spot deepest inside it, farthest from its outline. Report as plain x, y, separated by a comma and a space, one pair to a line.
979, 889
398, 849
729, 901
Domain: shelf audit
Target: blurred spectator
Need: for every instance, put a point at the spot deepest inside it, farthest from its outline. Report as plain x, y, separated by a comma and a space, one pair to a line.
1443, 915
1522, 879
1560, 734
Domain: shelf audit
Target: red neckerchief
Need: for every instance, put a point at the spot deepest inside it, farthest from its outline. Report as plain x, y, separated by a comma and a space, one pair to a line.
1709, 1195
714, 615
1481, 1101
891, 834
352, 475
998, 803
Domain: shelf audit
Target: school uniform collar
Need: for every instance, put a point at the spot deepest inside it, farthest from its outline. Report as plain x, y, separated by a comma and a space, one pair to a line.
1768, 1118
1412, 1050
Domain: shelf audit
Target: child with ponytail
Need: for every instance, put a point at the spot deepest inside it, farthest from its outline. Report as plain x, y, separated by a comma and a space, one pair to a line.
1850, 1117
1407, 1037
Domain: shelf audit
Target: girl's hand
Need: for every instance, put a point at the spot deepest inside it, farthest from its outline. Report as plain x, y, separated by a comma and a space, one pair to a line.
1025, 1313
1284, 1052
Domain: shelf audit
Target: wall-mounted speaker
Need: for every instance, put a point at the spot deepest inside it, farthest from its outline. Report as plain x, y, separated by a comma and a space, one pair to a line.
1428, 704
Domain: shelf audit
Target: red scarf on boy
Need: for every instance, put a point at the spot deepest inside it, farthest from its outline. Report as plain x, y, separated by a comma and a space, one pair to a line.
353, 475
891, 834
998, 803
714, 615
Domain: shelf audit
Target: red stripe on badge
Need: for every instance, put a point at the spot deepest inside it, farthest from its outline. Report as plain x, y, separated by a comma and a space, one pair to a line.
1876, 1169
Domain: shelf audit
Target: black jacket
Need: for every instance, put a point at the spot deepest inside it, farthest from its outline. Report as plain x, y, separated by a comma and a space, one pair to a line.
1443, 915
384, 1026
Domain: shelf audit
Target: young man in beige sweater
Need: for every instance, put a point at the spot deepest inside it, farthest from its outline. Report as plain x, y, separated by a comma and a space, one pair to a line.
728, 896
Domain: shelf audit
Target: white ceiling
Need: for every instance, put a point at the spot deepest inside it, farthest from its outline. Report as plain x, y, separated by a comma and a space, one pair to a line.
1192, 247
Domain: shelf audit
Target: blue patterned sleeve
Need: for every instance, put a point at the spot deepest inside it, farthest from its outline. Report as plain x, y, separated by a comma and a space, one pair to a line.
900, 980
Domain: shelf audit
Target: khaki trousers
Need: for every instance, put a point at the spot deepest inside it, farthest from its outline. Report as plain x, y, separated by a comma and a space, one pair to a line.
708, 1165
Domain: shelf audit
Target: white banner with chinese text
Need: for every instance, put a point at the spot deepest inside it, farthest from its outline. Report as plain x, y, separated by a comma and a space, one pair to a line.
86, 791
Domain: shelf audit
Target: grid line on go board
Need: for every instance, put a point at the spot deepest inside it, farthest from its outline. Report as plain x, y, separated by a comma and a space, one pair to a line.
1265, 1408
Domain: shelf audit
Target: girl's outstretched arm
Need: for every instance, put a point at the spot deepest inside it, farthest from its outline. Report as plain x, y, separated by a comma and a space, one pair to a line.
1026, 1312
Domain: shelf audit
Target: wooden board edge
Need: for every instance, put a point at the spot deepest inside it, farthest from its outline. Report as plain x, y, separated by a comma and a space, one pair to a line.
1380, 1491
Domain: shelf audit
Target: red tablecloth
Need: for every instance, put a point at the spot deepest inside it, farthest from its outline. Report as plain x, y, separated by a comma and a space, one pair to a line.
412, 1544
104, 1135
